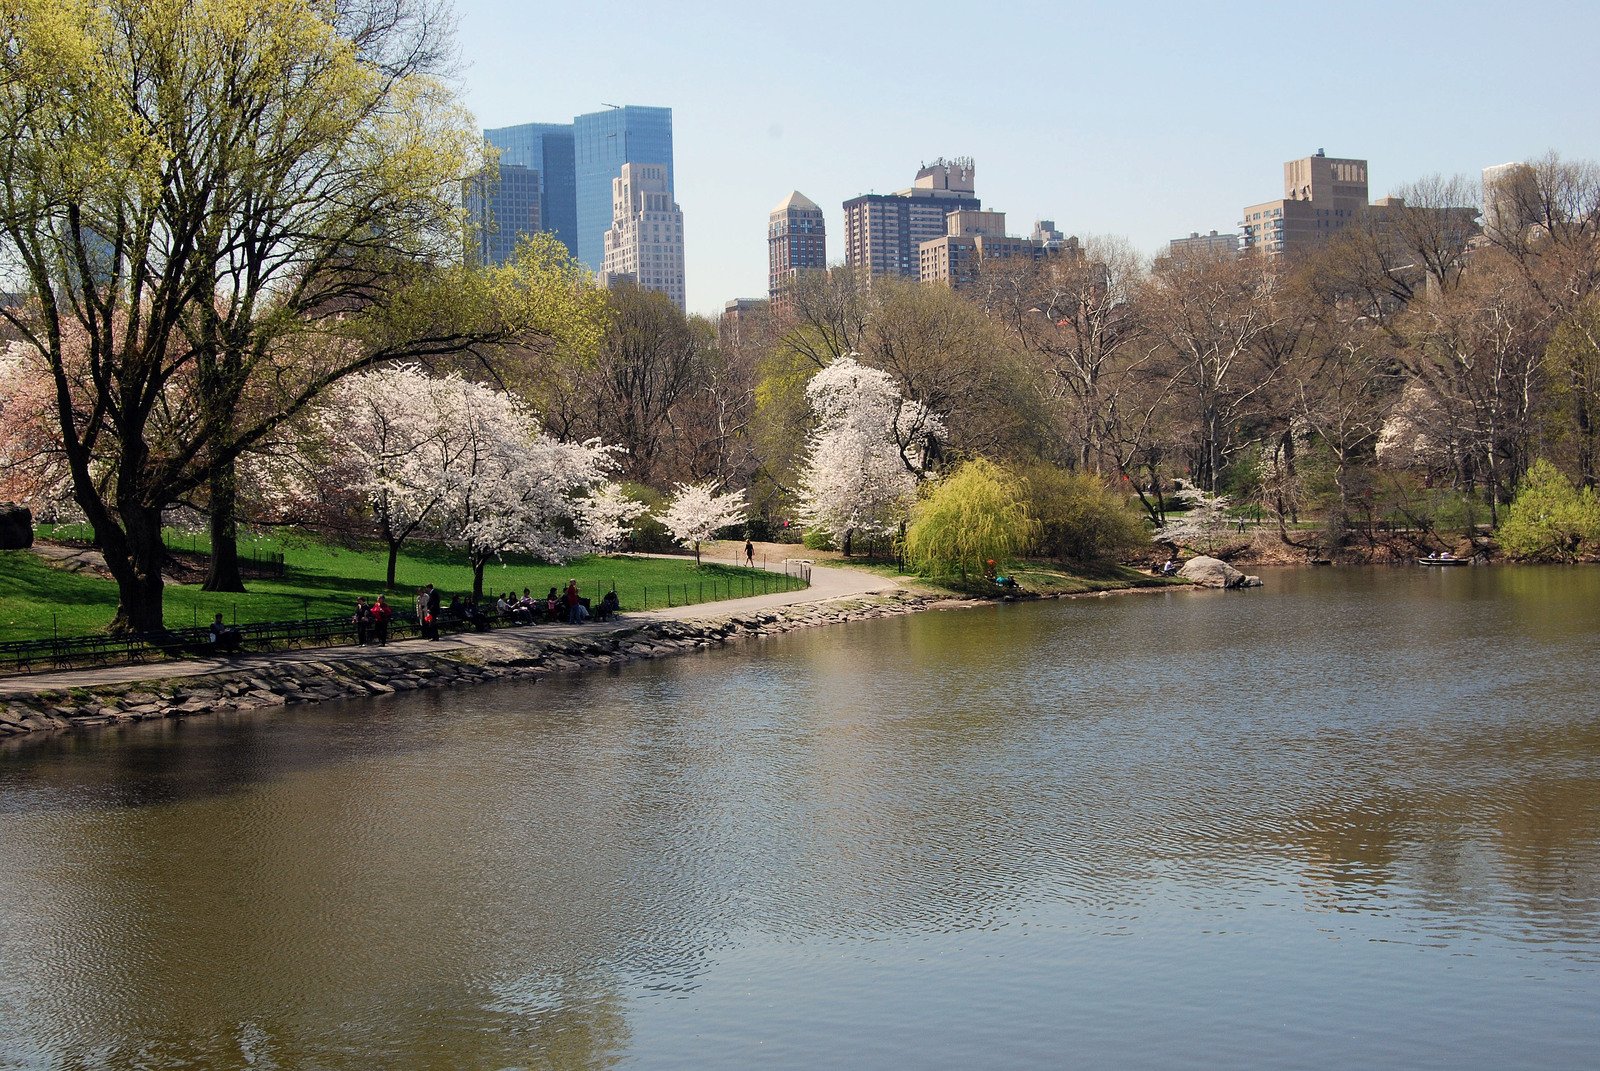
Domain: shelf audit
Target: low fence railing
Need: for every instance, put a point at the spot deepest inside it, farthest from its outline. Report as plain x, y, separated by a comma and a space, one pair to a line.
88, 652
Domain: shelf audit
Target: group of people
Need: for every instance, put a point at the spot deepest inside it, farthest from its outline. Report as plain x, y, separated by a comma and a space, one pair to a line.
565, 606
371, 619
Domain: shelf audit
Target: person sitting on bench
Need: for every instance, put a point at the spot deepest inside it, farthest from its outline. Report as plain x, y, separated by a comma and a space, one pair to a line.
608, 606
224, 638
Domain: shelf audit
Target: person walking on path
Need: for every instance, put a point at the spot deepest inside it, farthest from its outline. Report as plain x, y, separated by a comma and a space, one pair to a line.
380, 614
749, 553
362, 620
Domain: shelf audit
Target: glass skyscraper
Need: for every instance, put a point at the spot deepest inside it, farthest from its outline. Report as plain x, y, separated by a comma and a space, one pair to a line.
603, 142
502, 211
577, 162
547, 149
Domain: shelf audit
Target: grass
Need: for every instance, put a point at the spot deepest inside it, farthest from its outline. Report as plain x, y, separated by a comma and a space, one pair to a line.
38, 600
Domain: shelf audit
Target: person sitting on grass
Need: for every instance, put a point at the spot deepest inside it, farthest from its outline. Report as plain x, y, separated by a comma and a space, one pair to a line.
224, 638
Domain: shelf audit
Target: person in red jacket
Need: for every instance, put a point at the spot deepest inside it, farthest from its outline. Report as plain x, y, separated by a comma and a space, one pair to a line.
380, 615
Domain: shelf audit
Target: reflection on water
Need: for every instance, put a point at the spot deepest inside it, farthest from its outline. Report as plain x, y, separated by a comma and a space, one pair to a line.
1352, 816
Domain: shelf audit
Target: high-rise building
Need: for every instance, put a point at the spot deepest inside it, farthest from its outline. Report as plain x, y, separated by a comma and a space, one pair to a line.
884, 231
974, 236
577, 162
1045, 233
502, 209
1321, 196
603, 142
545, 148
645, 240
796, 241
1510, 201
1203, 246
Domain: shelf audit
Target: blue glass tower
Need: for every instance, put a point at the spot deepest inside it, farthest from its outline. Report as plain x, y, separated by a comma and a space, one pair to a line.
603, 142
547, 149
502, 212
576, 163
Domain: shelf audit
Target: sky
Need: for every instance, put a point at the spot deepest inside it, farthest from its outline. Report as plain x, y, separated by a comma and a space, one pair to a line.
1144, 120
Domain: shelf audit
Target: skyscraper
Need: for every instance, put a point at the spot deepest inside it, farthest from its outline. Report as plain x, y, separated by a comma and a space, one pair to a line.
502, 209
884, 230
1321, 196
547, 149
796, 241
645, 240
577, 162
603, 142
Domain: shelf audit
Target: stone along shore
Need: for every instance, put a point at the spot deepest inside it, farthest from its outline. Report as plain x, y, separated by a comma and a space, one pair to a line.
347, 673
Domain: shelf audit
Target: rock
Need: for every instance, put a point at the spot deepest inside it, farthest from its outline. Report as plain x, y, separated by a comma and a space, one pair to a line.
16, 527
1214, 573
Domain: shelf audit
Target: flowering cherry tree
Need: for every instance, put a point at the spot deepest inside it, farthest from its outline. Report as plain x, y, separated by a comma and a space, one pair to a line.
868, 451
388, 433
697, 511
33, 465
1202, 527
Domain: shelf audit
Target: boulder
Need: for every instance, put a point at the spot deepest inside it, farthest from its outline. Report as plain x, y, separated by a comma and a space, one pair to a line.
1215, 573
16, 527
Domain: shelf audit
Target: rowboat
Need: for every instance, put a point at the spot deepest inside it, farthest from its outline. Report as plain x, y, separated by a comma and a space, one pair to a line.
1443, 559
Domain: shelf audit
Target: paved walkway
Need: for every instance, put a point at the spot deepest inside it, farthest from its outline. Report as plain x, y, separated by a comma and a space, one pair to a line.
826, 583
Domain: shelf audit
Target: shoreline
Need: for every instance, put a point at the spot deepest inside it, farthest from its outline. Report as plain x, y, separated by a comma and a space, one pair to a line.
258, 682
507, 654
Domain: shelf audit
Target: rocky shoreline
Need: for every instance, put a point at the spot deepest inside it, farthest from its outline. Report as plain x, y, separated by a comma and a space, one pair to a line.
504, 655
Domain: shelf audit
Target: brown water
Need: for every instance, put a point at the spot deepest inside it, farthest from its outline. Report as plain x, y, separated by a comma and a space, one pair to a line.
1351, 819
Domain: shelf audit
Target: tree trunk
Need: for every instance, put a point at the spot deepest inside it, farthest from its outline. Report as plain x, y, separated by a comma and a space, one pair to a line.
848, 532
394, 557
137, 570
224, 574
477, 577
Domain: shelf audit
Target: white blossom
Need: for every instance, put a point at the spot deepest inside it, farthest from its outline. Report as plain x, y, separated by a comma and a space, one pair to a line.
867, 453
696, 512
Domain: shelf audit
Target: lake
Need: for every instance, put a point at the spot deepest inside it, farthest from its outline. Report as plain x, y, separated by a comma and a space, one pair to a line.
1351, 818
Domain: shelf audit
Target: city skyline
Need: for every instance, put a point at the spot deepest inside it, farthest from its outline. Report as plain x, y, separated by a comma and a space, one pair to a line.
1131, 122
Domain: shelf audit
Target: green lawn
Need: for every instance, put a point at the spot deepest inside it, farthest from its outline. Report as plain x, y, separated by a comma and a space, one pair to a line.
322, 581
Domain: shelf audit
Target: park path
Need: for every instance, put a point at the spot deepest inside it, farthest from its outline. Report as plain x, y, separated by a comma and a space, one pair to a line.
827, 583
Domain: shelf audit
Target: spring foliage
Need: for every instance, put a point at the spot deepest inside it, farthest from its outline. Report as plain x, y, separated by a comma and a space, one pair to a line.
1550, 519
976, 514
867, 453
697, 512
1081, 519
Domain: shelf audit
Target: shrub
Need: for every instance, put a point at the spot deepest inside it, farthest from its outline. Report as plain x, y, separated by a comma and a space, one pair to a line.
1080, 518
817, 539
1550, 519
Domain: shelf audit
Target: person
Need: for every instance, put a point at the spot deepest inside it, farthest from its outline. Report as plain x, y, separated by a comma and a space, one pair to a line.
552, 605
749, 553
380, 614
571, 601
362, 619
224, 638
430, 629
419, 606
608, 606
502, 608
1170, 566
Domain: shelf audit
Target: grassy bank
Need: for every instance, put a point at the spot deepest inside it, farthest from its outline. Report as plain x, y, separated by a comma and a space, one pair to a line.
38, 600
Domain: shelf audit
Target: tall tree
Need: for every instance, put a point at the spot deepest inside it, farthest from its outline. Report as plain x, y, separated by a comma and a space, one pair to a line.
217, 208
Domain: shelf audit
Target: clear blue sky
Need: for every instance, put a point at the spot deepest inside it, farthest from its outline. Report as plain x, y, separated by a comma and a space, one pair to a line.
1148, 120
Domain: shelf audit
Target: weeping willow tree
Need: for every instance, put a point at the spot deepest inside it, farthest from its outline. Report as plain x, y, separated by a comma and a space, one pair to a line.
975, 515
